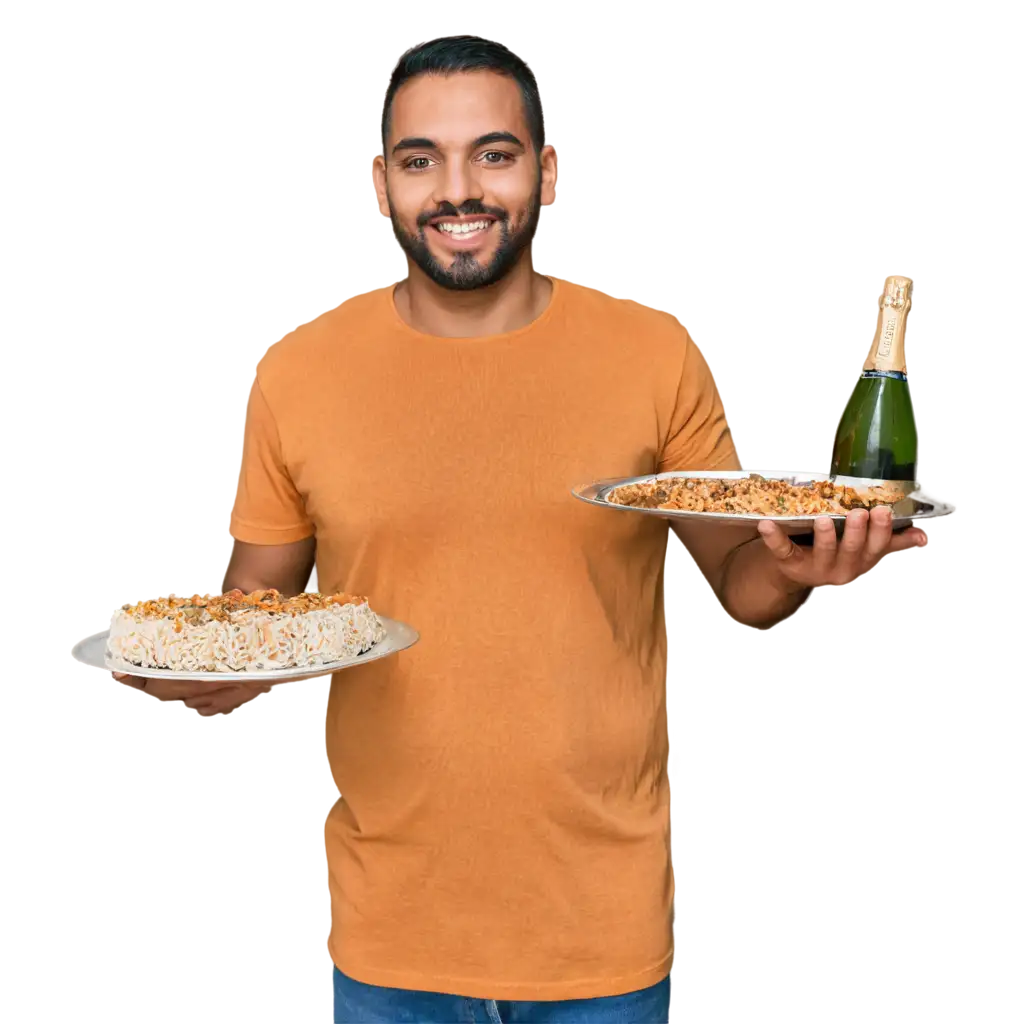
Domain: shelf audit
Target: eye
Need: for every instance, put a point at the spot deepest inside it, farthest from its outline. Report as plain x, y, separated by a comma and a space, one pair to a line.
417, 163
501, 157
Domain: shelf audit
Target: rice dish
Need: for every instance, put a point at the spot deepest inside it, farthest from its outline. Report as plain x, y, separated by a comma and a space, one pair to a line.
236, 632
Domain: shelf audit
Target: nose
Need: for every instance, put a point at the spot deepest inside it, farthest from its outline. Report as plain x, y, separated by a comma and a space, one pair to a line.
458, 183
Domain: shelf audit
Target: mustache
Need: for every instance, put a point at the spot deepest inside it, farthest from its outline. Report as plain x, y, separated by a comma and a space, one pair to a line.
469, 208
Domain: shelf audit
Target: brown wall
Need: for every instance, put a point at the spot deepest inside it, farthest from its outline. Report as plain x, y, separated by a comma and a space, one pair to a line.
176, 187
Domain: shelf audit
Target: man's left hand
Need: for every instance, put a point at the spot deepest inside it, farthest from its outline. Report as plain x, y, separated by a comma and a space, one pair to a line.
867, 539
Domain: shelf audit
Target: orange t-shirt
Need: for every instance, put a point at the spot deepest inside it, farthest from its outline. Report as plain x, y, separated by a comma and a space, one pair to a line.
503, 825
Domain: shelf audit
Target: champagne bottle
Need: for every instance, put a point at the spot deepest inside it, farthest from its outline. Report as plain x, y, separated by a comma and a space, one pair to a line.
877, 438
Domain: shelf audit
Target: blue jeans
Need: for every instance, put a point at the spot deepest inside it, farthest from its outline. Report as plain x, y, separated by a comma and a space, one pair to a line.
358, 1003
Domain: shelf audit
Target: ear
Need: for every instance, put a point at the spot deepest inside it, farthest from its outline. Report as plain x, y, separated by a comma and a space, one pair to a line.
380, 185
548, 175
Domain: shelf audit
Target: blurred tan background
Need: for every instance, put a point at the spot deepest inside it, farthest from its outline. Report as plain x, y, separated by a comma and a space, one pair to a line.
175, 187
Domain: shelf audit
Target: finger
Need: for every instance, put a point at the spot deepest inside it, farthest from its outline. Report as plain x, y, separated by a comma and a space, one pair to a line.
910, 538
879, 533
851, 547
134, 681
213, 700
186, 689
777, 542
166, 689
823, 554
219, 702
156, 695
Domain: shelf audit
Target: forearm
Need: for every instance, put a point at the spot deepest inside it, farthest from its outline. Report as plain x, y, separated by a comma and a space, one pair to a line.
285, 567
753, 591
247, 582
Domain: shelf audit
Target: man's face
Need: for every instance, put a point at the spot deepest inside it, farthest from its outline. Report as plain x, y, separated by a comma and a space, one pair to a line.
461, 179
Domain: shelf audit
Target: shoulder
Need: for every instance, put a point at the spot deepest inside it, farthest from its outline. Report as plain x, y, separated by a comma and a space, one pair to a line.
645, 345
305, 352
628, 322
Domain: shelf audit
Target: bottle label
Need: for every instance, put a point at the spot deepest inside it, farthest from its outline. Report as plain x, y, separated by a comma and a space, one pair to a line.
887, 333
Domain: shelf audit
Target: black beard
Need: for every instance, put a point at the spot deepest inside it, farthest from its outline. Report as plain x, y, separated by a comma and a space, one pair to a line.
466, 273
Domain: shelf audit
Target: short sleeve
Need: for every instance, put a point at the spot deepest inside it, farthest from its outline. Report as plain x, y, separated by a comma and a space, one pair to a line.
698, 435
268, 508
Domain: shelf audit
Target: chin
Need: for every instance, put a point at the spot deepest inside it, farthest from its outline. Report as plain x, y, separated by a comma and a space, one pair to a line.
481, 255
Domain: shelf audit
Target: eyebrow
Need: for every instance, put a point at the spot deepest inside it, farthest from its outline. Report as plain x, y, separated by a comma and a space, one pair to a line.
419, 142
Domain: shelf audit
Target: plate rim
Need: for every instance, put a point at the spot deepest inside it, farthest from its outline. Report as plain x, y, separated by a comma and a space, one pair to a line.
938, 508
375, 653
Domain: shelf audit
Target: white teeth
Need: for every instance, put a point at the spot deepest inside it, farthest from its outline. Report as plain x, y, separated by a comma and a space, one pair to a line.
463, 229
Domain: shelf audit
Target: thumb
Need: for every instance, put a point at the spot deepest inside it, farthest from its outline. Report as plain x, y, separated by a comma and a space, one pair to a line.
781, 547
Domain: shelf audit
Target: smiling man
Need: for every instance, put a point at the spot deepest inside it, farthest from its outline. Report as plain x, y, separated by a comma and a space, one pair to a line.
500, 850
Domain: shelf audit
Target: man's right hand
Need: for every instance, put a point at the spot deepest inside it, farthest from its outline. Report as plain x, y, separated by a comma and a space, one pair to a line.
287, 568
208, 698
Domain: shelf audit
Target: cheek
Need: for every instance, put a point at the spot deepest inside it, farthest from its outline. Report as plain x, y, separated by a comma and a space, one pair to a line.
518, 219
519, 208
407, 203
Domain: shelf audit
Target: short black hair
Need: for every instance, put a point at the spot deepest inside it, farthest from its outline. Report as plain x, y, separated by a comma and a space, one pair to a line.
451, 54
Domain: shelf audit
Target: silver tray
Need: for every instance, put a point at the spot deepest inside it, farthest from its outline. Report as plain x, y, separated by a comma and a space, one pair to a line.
916, 505
89, 653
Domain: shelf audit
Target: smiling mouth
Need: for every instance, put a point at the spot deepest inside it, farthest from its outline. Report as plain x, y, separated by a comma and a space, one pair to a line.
462, 229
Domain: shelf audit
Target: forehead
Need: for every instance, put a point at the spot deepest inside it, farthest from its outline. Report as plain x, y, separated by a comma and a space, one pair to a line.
455, 109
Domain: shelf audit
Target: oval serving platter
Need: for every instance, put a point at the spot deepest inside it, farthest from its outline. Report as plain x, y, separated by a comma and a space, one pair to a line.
916, 505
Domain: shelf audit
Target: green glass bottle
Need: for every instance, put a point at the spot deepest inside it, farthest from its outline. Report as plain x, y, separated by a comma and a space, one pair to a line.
877, 438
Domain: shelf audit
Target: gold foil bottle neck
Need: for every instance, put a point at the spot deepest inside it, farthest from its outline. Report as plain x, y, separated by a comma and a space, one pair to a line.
893, 305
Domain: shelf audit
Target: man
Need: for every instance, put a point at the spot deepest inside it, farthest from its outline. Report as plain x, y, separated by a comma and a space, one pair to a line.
501, 847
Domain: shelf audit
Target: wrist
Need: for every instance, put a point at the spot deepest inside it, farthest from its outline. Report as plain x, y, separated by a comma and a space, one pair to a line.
755, 591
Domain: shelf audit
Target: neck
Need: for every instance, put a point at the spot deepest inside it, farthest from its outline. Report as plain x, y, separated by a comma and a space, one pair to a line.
513, 302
